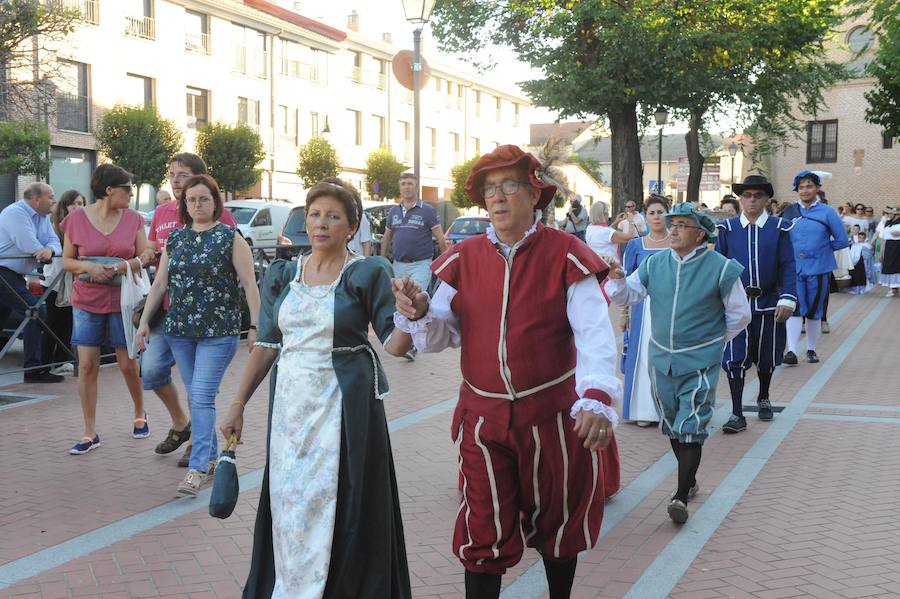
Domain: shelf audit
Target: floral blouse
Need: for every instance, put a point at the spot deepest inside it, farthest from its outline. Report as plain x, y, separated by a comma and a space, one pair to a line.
204, 294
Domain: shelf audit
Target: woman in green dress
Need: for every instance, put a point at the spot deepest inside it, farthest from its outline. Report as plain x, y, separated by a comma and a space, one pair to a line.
329, 522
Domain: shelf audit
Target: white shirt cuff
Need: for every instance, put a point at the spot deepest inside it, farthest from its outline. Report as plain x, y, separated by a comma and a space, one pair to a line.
597, 407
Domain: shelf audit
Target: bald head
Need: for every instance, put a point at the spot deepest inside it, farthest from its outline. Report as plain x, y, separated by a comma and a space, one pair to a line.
40, 197
163, 196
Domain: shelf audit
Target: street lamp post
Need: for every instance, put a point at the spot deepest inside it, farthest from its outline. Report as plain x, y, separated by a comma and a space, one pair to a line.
732, 151
662, 116
417, 12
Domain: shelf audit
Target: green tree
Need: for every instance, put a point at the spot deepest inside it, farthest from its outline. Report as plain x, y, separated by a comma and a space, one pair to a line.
31, 32
231, 155
24, 147
139, 140
317, 159
591, 165
621, 58
383, 167
884, 100
459, 174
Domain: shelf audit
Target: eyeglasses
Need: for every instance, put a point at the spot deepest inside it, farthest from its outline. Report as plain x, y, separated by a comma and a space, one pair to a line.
629, 206
507, 186
682, 226
200, 200
754, 195
180, 176
860, 209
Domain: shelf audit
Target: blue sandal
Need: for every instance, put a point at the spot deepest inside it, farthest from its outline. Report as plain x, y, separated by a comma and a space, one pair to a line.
85, 445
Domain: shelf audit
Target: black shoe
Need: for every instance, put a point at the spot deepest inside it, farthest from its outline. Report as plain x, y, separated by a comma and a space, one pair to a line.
765, 410
43, 377
735, 424
811, 357
790, 359
185, 459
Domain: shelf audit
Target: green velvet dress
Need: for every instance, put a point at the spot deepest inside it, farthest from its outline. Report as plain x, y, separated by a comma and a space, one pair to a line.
328, 523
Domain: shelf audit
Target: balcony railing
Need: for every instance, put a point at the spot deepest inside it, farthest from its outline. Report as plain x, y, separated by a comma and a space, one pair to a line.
72, 112
516, 121
142, 27
356, 75
299, 70
380, 80
407, 97
89, 9
249, 62
197, 43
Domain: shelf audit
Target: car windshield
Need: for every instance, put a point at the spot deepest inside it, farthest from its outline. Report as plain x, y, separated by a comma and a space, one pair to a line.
469, 226
242, 215
296, 222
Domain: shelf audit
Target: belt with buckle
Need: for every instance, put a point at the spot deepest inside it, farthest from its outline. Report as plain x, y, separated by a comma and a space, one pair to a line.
755, 292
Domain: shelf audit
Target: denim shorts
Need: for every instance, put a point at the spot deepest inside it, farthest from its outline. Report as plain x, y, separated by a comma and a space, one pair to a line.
156, 361
96, 330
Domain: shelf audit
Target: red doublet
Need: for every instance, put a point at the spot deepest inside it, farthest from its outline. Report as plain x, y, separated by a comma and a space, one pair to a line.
521, 462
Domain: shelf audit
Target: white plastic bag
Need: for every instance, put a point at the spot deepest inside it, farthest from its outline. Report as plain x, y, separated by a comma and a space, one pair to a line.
135, 287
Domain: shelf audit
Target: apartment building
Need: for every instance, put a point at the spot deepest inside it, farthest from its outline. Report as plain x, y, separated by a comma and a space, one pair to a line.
861, 161
287, 76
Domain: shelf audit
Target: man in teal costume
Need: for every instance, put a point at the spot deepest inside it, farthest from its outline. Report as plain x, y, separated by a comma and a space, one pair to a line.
698, 303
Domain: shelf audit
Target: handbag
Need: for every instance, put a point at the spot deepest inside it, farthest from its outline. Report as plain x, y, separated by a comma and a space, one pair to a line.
64, 290
226, 487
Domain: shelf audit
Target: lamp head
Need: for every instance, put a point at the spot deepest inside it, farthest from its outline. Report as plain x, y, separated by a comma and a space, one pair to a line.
418, 12
661, 115
732, 150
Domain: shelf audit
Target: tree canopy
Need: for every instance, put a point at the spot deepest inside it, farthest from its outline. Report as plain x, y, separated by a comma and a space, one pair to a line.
231, 155
383, 168
24, 147
884, 100
317, 159
459, 174
139, 140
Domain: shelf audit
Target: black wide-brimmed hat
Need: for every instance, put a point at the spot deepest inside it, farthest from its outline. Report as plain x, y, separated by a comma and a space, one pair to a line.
753, 182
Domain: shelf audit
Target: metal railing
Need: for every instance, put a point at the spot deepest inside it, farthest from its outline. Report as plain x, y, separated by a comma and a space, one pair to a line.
88, 9
356, 75
299, 70
249, 62
72, 112
198, 43
141, 27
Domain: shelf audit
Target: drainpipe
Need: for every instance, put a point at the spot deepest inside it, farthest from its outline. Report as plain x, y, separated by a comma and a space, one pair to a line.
271, 148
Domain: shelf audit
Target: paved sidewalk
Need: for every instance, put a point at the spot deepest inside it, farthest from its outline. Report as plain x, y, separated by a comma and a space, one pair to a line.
803, 506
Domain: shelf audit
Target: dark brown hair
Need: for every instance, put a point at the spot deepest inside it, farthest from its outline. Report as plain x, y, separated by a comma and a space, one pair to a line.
656, 199
190, 161
343, 192
108, 175
62, 209
213, 188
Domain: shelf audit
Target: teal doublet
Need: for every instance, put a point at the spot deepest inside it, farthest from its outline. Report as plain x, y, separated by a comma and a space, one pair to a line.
687, 336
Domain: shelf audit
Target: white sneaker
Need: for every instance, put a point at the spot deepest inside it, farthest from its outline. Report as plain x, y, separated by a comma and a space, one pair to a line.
192, 482
63, 369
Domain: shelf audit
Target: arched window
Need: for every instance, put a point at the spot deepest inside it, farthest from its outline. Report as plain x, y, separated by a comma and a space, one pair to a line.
859, 42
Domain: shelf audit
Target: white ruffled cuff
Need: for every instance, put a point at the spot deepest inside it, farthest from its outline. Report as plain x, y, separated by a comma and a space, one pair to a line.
597, 407
417, 329
268, 345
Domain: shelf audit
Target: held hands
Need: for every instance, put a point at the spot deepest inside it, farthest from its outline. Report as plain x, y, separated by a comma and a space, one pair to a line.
594, 429
411, 301
101, 273
234, 421
615, 270
782, 313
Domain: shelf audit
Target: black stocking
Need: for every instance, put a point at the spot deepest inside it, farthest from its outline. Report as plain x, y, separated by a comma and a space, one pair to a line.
737, 392
765, 379
688, 463
560, 576
482, 586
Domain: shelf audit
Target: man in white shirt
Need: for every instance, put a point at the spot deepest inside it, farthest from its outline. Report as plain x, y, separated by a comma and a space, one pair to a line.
361, 243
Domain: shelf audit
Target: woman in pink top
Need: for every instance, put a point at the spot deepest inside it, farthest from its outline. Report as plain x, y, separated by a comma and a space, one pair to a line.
108, 227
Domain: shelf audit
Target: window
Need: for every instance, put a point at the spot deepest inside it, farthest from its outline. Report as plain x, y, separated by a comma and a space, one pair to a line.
139, 21
477, 103
821, 141
451, 99
196, 32
139, 90
887, 141
250, 52
432, 135
476, 147
356, 124
404, 126
301, 62
516, 115
437, 93
72, 105
459, 97
89, 10
454, 147
859, 41
248, 113
381, 74
314, 123
197, 108
499, 114
356, 70
287, 125
263, 218
382, 133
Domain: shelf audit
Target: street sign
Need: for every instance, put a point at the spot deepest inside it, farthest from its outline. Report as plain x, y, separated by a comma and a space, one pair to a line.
709, 180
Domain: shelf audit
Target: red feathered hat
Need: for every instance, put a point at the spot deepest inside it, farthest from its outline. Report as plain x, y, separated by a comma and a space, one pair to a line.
502, 157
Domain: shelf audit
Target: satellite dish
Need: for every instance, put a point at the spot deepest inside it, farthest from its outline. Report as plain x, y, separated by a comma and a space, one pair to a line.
401, 64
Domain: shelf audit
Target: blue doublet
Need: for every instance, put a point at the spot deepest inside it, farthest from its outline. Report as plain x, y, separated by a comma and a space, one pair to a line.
766, 252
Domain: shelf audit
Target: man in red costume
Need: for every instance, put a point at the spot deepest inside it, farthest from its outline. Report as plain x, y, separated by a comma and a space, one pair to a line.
534, 420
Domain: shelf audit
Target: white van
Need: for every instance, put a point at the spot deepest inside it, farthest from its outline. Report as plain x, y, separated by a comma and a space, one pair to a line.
259, 221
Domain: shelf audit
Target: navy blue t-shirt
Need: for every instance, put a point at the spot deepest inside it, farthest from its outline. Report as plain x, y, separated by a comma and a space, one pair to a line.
412, 232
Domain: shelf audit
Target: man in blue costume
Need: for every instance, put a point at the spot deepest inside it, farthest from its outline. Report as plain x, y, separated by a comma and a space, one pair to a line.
697, 304
817, 233
762, 244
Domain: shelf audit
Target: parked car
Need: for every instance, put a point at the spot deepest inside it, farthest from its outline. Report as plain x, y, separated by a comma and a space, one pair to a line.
466, 226
294, 232
259, 221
